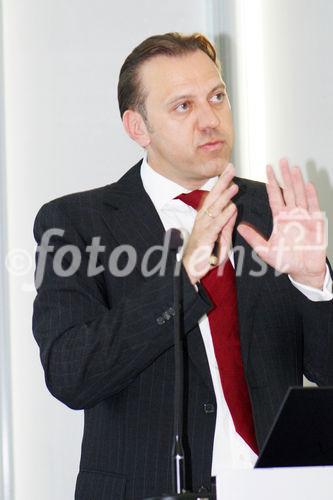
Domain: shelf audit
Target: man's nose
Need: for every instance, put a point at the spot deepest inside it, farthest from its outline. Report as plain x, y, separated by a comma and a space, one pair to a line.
207, 117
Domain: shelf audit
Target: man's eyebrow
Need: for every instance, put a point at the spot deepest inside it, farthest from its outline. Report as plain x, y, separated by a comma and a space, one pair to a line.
179, 98
220, 86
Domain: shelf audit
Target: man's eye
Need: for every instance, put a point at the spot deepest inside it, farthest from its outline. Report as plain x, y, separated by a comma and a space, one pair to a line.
184, 106
218, 97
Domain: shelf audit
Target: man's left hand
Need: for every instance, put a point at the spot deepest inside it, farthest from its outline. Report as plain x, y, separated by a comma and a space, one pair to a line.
298, 242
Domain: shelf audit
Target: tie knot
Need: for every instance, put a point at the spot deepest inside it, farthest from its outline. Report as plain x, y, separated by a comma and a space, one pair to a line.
194, 198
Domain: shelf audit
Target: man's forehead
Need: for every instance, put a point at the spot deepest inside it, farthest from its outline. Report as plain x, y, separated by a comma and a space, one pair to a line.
185, 74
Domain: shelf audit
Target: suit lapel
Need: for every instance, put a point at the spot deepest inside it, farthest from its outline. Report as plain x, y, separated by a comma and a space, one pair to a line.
133, 220
253, 209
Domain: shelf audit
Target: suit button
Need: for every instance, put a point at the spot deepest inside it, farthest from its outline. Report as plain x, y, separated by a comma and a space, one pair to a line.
166, 315
171, 311
209, 408
160, 320
203, 490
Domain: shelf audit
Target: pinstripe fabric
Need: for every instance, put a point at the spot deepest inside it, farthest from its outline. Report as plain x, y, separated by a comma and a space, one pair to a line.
104, 351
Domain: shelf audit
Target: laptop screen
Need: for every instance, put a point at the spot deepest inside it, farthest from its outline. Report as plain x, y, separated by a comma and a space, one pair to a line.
302, 433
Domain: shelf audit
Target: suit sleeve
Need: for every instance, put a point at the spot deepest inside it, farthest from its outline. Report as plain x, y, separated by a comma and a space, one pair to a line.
91, 347
316, 325
317, 321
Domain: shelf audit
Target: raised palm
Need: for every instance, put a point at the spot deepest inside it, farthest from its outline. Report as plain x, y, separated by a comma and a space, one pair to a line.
298, 242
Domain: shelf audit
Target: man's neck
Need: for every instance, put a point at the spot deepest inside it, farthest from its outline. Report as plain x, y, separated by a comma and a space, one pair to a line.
188, 184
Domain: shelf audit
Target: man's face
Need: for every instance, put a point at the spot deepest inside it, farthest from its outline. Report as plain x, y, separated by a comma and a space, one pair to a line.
189, 118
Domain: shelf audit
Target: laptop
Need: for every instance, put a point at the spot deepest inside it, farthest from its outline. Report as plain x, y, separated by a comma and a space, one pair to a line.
302, 433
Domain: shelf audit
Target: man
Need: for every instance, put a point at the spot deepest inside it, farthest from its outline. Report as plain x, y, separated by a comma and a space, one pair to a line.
106, 335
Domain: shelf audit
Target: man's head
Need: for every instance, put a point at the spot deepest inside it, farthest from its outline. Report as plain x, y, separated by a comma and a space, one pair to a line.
173, 102
131, 93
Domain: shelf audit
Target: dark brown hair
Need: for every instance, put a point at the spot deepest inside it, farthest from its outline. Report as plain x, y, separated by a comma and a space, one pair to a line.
130, 92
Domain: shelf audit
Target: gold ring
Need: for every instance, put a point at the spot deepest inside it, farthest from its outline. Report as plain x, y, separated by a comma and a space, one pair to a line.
213, 260
209, 214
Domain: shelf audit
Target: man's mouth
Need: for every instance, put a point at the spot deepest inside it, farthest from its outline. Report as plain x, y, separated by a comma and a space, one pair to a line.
212, 145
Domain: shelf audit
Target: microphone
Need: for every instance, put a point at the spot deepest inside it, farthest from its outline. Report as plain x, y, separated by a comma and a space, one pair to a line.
213, 259
178, 237
176, 241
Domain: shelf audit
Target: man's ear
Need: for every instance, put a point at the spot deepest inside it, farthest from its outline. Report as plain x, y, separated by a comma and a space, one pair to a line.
136, 127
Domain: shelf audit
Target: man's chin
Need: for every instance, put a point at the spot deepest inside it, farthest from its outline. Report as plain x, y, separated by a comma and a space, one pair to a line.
215, 167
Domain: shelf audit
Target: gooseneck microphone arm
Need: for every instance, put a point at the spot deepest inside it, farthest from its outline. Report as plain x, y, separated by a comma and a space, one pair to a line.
178, 455
176, 241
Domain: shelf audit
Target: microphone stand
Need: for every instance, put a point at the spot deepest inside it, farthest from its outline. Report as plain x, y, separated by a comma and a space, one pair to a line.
178, 455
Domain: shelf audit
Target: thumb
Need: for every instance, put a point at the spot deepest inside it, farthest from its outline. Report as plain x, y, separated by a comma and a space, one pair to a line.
254, 239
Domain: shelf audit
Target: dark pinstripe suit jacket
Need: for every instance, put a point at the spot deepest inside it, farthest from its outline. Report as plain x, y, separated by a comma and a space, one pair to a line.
104, 347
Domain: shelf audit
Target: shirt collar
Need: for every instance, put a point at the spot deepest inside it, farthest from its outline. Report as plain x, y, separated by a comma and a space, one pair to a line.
161, 189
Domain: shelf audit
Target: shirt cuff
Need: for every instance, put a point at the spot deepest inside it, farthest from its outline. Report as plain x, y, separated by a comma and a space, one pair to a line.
315, 294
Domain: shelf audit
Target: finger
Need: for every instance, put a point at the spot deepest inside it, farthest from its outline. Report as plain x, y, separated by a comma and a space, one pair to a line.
221, 185
299, 188
312, 198
230, 224
255, 240
288, 189
223, 200
274, 193
225, 238
218, 223
228, 229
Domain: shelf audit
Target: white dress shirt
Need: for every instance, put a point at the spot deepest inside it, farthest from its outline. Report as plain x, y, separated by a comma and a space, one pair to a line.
229, 450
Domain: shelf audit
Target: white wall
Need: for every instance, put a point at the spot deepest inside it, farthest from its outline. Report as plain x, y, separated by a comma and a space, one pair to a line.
278, 56
5, 398
299, 82
63, 134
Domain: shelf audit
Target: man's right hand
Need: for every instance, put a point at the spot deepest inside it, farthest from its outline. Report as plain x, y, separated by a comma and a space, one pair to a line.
214, 222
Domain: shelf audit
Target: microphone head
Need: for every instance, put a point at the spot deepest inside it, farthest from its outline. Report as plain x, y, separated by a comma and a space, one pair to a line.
175, 239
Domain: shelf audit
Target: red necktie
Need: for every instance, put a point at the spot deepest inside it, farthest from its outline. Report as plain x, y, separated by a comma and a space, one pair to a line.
223, 322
